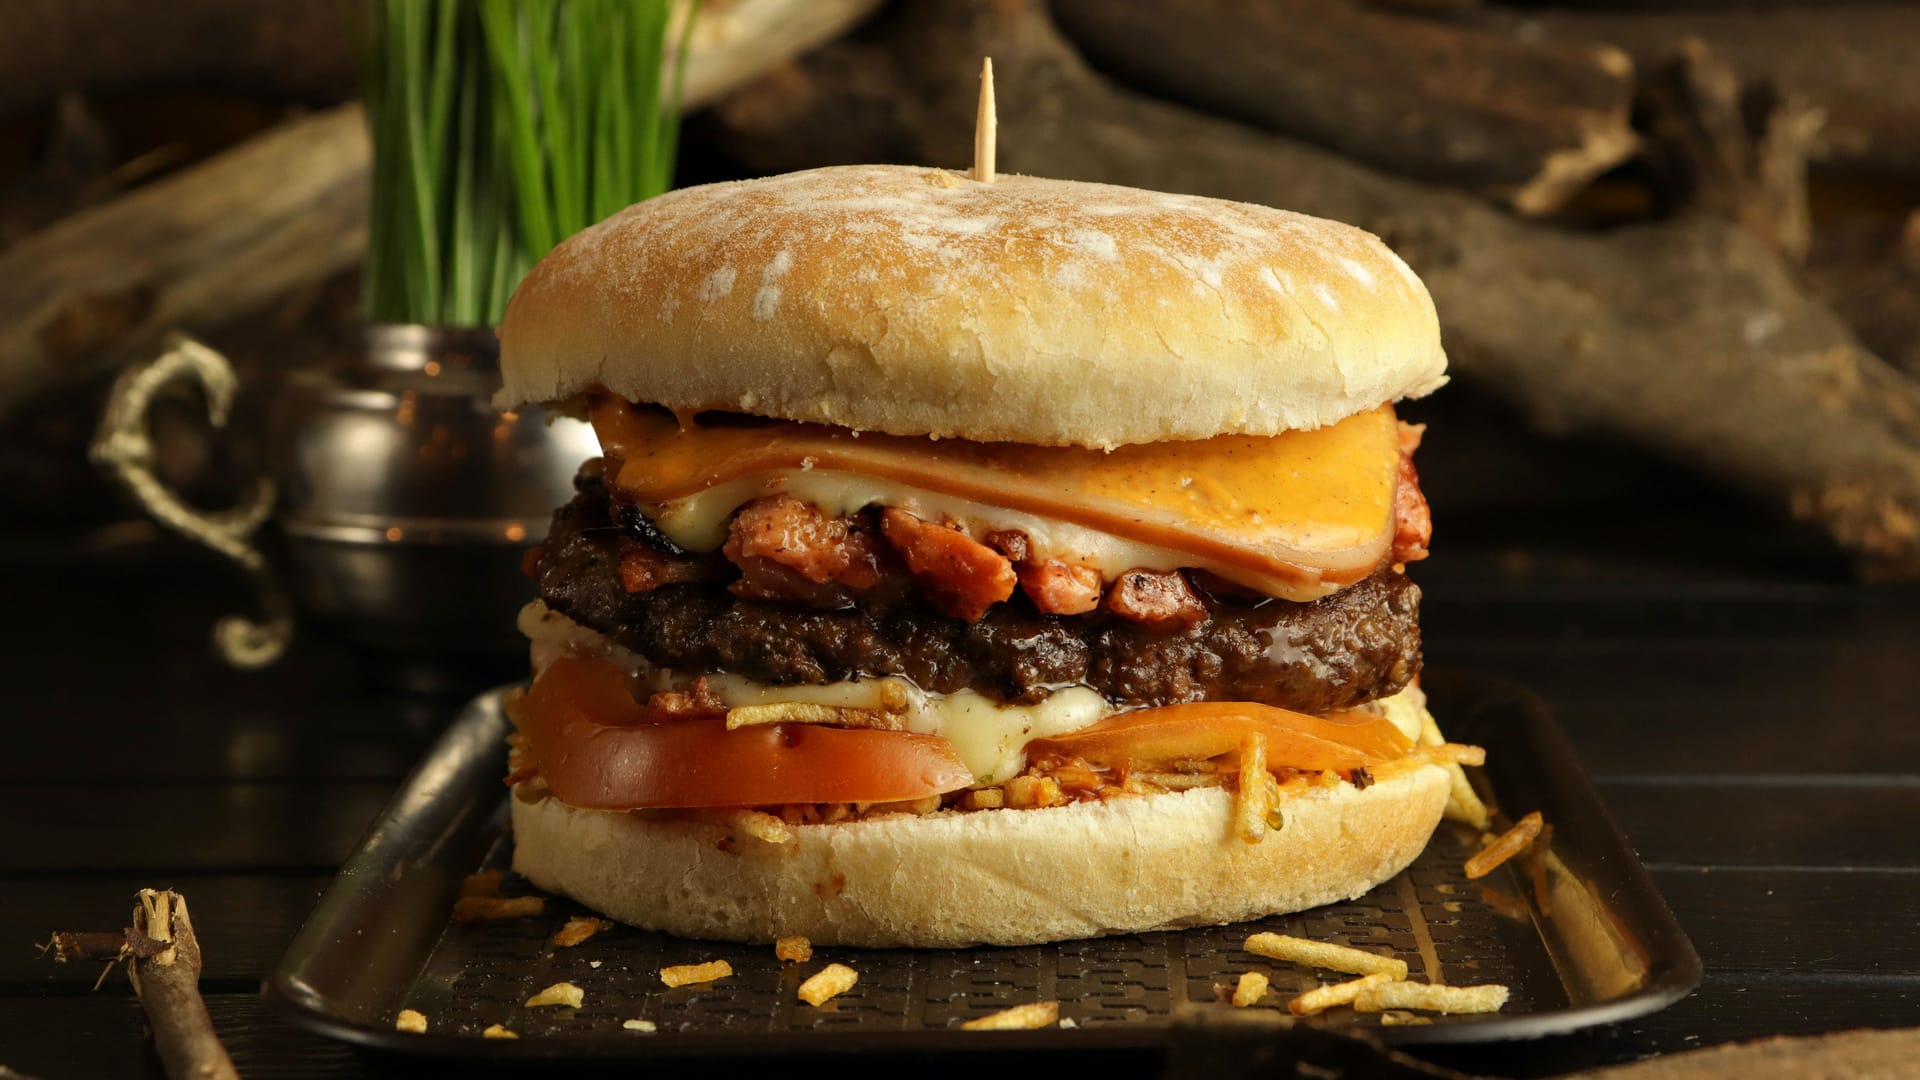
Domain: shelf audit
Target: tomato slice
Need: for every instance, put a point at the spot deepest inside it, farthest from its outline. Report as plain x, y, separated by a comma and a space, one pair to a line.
1148, 737
597, 749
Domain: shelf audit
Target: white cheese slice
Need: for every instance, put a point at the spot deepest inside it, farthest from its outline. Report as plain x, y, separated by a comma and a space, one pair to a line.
698, 522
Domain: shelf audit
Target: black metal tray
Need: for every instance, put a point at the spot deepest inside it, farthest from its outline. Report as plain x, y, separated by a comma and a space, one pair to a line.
1603, 948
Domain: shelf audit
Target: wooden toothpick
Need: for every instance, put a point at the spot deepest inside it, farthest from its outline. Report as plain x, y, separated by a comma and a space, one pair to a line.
983, 126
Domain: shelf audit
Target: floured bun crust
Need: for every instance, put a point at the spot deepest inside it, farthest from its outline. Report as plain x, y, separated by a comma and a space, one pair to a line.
917, 301
1000, 877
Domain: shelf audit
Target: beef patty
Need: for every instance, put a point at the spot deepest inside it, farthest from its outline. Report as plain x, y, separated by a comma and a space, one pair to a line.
1361, 643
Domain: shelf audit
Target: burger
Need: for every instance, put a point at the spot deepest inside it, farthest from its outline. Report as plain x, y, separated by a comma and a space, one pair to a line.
973, 562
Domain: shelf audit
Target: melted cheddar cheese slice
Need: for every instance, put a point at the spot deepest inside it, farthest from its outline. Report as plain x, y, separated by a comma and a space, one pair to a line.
1295, 515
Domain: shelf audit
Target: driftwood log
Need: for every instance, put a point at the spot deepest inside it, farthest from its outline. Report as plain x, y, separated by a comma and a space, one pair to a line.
192, 251
1529, 122
1869, 270
1690, 337
1855, 62
290, 50
1729, 148
304, 50
736, 41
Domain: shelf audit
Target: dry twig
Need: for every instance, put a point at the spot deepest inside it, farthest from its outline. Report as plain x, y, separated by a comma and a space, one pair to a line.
163, 963
216, 241
1853, 62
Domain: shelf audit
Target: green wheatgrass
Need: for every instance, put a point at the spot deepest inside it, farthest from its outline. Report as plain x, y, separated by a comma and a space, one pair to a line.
501, 127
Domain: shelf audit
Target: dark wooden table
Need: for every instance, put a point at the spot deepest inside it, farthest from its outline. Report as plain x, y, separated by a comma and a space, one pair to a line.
1748, 714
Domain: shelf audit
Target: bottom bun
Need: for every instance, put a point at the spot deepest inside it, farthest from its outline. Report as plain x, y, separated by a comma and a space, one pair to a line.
997, 877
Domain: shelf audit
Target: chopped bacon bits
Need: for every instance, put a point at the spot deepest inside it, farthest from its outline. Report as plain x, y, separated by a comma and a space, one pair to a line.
643, 569
1059, 588
1010, 542
799, 537
964, 576
788, 550
696, 702
1055, 587
1412, 521
1147, 596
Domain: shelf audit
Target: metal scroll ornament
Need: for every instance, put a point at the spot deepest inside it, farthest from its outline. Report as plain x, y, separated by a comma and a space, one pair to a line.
404, 498
124, 448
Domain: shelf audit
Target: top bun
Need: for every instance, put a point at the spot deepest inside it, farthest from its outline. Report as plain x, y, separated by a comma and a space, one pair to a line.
918, 301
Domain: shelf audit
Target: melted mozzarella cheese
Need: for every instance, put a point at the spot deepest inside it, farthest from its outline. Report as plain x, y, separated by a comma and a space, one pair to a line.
1405, 710
1295, 515
989, 736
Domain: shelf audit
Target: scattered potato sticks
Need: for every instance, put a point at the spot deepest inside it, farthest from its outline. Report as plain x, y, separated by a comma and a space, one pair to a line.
498, 1031
794, 949
829, 982
1255, 796
1537, 859
412, 1020
578, 929
1034, 1014
1249, 990
1463, 803
1441, 999
762, 826
800, 712
1322, 998
1454, 753
488, 908
1504, 904
1324, 954
686, 974
485, 883
559, 994
1506, 846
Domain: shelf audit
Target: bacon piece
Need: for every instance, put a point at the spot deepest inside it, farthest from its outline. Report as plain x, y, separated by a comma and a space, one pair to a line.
696, 702
799, 537
643, 569
963, 576
788, 550
1055, 587
1010, 542
865, 569
1147, 596
1412, 522
1059, 588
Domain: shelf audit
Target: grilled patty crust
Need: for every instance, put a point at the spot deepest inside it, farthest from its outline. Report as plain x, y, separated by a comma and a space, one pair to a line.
1361, 643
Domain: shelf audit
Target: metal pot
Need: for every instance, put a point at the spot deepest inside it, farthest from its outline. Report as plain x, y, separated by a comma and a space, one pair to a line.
405, 499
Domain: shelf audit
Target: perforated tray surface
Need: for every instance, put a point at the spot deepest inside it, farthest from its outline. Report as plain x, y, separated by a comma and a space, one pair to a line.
1600, 946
